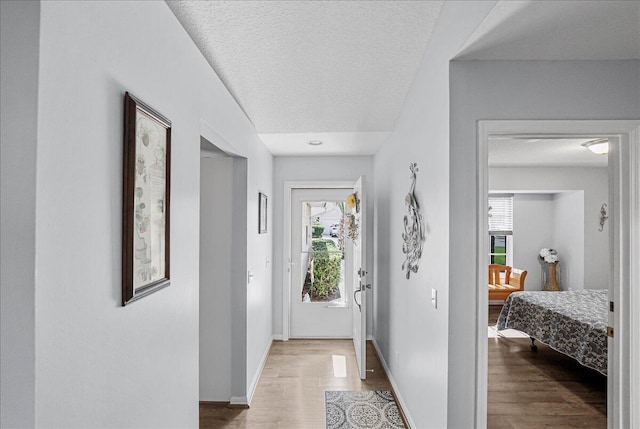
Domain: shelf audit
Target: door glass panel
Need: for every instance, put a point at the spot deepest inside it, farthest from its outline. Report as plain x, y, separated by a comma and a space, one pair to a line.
322, 255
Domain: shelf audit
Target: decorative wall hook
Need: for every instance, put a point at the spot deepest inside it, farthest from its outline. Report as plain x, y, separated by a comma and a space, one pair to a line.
413, 235
603, 216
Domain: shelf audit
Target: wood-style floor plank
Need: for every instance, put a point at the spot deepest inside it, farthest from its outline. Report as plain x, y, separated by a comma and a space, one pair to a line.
543, 389
526, 389
290, 393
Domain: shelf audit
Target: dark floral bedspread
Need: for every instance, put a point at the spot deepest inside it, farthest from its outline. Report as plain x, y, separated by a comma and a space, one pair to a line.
571, 322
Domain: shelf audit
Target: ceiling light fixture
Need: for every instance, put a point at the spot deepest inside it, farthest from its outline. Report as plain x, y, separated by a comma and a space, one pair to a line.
315, 142
599, 146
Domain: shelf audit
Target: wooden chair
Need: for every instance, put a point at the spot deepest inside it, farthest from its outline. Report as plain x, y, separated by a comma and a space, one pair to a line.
503, 281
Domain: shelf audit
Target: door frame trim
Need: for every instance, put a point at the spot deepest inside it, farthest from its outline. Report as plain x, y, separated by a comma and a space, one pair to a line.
624, 189
289, 186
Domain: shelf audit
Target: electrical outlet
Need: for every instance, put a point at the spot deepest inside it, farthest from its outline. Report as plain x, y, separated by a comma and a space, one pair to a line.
434, 297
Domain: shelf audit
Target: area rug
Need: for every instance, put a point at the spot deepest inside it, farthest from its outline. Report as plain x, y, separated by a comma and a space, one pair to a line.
355, 410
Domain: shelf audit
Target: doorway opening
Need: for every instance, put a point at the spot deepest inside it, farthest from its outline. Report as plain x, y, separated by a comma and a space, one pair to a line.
335, 307
322, 257
624, 160
553, 258
223, 268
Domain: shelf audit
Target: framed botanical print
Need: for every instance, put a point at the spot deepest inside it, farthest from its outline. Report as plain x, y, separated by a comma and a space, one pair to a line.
146, 202
262, 213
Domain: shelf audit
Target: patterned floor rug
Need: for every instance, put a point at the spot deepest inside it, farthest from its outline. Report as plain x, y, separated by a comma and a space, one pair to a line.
355, 410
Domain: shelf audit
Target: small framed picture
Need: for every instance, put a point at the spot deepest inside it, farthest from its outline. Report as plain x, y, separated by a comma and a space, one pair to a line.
146, 203
262, 213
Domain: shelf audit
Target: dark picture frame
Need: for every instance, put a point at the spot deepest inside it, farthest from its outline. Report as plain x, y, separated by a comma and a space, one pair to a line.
262, 213
145, 200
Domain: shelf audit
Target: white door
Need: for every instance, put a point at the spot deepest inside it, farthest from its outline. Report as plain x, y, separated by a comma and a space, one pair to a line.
321, 263
359, 276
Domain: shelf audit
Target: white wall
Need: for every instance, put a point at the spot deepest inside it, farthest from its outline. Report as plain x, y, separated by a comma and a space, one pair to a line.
216, 196
411, 334
568, 239
19, 39
593, 181
511, 90
239, 251
553, 220
97, 363
259, 262
532, 231
305, 169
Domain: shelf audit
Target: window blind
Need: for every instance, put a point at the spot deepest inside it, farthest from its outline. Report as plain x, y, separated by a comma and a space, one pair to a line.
500, 214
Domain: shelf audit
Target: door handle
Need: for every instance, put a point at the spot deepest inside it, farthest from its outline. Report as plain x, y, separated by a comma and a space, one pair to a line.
356, 300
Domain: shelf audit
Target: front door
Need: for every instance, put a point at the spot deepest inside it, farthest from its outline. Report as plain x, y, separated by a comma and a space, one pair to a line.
356, 225
321, 256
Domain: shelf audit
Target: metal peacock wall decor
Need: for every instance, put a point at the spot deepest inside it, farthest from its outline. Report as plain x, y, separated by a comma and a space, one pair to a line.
413, 235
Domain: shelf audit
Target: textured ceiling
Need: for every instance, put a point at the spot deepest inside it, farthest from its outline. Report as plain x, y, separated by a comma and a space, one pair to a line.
313, 66
557, 30
339, 71
336, 143
542, 152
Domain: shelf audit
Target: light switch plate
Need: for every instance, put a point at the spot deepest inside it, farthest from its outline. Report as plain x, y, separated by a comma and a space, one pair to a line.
434, 298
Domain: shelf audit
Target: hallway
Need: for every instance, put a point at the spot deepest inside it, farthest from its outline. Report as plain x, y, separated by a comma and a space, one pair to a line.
290, 393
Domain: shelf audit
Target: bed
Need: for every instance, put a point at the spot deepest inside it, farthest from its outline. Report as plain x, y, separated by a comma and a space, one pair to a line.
571, 322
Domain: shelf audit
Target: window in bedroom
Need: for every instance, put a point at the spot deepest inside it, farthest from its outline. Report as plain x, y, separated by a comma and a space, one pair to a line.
501, 229
500, 249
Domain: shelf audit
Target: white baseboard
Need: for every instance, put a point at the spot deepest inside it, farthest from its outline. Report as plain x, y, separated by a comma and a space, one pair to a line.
278, 337
321, 338
256, 377
396, 390
238, 400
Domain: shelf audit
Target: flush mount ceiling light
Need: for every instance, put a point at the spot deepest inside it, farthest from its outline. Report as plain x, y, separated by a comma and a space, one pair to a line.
315, 142
599, 146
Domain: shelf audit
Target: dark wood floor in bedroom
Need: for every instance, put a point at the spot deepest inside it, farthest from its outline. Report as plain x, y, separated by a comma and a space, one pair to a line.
543, 389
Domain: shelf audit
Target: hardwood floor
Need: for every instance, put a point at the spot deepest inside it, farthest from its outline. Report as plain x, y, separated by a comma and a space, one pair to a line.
543, 389
290, 393
526, 389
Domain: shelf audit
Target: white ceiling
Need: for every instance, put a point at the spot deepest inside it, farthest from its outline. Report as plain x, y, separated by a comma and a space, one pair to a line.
542, 152
314, 66
339, 71
557, 30
336, 143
